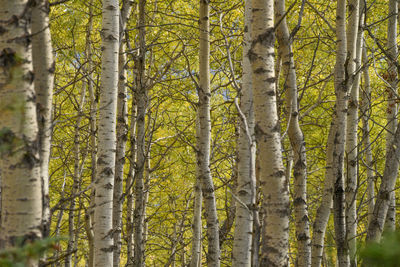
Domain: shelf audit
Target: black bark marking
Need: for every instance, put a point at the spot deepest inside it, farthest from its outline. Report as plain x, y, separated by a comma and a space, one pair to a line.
107, 171
30, 160
2, 30
299, 201
111, 37
29, 77
260, 70
52, 68
108, 186
108, 250
303, 237
266, 38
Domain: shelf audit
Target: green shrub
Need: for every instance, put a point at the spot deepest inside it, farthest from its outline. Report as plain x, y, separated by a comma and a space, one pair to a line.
20, 255
386, 253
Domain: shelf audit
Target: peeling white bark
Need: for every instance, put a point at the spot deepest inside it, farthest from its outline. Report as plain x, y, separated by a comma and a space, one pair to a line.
246, 182
103, 241
296, 139
43, 67
272, 178
204, 133
354, 43
21, 213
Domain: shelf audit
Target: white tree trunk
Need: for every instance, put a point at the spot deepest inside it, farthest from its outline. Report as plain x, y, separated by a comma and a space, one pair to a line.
354, 43
93, 144
296, 139
272, 172
21, 213
246, 181
103, 241
341, 92
334, 182
375, 227
122, 131
122, 136
129, 187
142, 104
204, 133
76, 179
392, 109
43, 67
324, 210
385, 200
195, 261
366, 112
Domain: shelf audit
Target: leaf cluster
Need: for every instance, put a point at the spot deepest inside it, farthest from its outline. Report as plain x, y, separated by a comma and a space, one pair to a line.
386, 253
22, 254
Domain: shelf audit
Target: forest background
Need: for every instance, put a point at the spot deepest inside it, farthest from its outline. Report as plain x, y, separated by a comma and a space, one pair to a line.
146, 117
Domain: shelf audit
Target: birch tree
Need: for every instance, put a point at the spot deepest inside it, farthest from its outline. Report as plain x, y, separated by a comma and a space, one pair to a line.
129, 186
76, 180
103, 241
122, 135
21, 212
392, 106
203, 152
375, 227
334, 178
365, 110
324, 209
195, 260
272, 173
354, 42
296, 138
246, 181
89, 215
204, 133
43, 67
341, 92
142, 104
385, 197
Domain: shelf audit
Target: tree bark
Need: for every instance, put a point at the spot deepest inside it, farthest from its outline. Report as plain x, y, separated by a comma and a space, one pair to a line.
272, 173
21, 213
354, 43
375, 227
129, 186
93, 143
385, 197
204, 133
43, 67
246, 181
195, 261
76, 180
103, 241
122, 136
366, 112
296, 138
142, 104
341, 92
334, 179
392, 108
89, 215
324, 210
